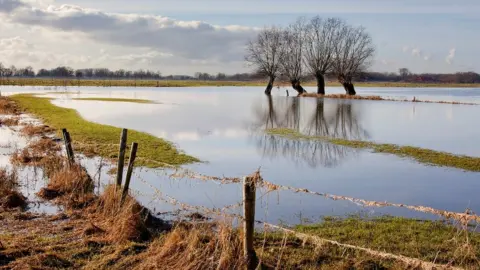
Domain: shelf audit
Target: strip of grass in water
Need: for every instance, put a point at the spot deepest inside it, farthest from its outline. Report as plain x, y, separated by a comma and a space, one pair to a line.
131, 100
101, 138
421, 155
437, 241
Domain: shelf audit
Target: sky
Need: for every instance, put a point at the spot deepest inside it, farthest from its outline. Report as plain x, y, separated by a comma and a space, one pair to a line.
186, 36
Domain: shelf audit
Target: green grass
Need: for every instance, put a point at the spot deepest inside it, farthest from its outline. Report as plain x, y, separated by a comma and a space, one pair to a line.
131, 100
426, 240
438, 241
421, 155
97, 139
194, 83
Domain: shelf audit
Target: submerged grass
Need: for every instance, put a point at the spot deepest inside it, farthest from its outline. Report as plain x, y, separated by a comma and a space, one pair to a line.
131, 100
10, 197
421, 155
98, 139
359, 97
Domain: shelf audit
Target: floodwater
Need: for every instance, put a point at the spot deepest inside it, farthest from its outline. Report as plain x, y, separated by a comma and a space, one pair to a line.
224, 127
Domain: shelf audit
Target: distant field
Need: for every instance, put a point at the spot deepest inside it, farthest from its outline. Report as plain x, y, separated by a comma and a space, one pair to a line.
194, 83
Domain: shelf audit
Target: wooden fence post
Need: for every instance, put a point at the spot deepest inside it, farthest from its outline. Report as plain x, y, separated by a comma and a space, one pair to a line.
131, 161
68, 145
121, 156
249, 222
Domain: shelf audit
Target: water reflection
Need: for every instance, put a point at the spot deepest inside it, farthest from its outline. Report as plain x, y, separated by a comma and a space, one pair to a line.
310, 117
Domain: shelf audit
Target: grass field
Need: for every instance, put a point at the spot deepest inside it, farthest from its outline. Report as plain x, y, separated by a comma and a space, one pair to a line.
96, 139
197, 83
421, 155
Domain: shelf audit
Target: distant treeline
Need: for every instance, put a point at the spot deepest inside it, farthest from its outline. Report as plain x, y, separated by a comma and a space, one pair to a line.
104, 73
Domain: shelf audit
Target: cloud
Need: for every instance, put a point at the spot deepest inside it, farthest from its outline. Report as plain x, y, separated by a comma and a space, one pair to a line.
416, 52
189, 39
427, 57
450, 56
10, 5
14, 43
405, 48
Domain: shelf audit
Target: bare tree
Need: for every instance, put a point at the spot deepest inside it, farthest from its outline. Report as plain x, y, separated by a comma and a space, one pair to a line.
265, 53
292, 62
353, 54
320, 40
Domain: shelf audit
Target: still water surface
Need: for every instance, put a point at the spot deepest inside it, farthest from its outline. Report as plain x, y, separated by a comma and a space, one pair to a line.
224, 127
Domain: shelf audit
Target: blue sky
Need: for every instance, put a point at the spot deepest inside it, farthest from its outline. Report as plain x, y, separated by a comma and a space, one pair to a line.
422, 35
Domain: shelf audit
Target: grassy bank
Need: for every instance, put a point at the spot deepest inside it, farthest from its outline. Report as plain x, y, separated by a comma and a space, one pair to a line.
130, 100
70, 241
421, 155
96, 139
195, 83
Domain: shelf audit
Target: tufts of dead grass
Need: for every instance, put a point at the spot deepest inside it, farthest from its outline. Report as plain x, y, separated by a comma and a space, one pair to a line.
73, 184
128, 220
10, 197
36, 130
7, 106
196, 247
10, 121
36, 152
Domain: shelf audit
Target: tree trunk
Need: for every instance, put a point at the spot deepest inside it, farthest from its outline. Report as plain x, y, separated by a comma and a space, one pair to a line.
349, 88
296, 85
268, 90
320, 84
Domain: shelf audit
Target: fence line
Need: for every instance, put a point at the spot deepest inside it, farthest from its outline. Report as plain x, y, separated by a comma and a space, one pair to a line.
316, 240
256, 180
465, 217
462, 217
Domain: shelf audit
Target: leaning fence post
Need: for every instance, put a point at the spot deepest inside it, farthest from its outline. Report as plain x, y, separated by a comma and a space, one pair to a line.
131, 161
249, 222
121, 156
68, 145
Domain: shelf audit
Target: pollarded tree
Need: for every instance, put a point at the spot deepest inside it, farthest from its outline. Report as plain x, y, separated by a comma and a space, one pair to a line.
265, 53
292, 62
320, 47
354, 51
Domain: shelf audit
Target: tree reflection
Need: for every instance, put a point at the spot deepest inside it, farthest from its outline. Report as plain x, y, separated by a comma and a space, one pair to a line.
337, 120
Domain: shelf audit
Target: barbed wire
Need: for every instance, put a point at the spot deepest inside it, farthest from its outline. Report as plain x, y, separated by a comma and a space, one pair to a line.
465, 217
180, 172
316, 240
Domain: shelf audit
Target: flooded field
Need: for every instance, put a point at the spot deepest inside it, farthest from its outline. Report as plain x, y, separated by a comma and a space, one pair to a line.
225, 128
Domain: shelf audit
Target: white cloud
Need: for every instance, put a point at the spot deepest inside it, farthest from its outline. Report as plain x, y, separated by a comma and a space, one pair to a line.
189, 39
416, 52
80, 37
450, 56
14, 43
405, 48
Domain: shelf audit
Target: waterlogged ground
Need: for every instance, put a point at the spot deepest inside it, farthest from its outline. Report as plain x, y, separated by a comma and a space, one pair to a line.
225, 127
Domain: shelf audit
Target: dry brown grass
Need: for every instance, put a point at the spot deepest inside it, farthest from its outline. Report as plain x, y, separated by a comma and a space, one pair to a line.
7, 106
10, 197
71, 179
10, 121
36, 152
200, 246
128, 220
36, 130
